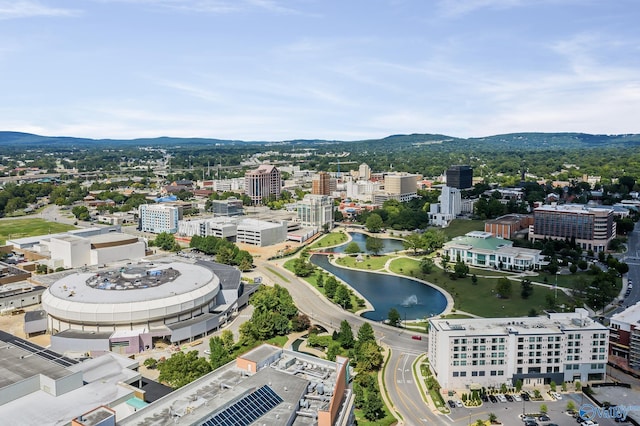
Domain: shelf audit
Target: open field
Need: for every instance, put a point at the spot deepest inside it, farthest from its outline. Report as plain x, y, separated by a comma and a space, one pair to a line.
481, 299
21, 228
459, 227
369, 263
330, 240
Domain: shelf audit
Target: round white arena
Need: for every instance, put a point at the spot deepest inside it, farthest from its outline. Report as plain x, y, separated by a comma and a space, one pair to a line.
145, 295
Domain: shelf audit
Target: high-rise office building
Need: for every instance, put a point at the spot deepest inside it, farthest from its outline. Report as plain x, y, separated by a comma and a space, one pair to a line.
262, 182
321, 184
460, 177
364, 172
316, 211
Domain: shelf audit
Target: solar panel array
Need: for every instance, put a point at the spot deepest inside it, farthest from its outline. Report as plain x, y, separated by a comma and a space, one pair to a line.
246, 410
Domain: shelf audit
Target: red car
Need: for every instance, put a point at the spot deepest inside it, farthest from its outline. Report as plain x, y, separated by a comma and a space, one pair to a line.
416, 337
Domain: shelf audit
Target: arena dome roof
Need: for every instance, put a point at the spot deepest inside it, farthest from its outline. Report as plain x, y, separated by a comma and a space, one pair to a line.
139, 293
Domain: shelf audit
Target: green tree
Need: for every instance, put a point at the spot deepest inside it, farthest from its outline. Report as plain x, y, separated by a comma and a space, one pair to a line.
345, 335
219, 355
374, 223
518, 385
394, 317
342, 296
165, 241
571, 406
320, 279
433, 239
181, 369
373, 407
227, 340
503, 288
527, 288
426, 265
365, 333
302, 268
461, 269
544, 409
369, 356
333, 350
374, 245
81, 213
492, 418
330, 287
150, 363
413, 242
352, 248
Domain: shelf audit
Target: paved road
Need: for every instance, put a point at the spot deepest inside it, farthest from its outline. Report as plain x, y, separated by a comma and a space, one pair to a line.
402, 389
632, 258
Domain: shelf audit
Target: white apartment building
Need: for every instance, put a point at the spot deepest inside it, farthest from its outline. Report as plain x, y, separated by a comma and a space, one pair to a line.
560, 347
157, 218
316, 211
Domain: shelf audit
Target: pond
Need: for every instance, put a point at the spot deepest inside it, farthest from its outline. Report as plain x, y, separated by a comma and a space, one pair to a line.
413, 299
389, 245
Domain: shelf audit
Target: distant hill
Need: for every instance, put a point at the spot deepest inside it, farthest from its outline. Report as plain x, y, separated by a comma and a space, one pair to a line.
521, 141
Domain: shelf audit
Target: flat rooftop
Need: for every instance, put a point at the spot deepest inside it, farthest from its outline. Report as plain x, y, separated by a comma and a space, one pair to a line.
293, 378
132, 283
20, 360
555, 323
631, 315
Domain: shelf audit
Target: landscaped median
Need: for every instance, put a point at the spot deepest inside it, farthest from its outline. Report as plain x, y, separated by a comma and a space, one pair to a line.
426, 381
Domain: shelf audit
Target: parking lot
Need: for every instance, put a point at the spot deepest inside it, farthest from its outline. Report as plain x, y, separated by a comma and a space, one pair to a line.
510, 413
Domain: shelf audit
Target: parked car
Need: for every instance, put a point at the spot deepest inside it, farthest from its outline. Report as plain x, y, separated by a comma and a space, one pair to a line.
416, 337
544, 418
509, 397
459, 404
556, 395
451, 404
493, 399
501, 398
534, 423
517, 397
484, 398
528, 419
589, 423
525, 396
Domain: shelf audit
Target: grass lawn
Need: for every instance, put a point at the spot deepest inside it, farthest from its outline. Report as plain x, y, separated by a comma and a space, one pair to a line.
370, 263
21, 228
568, 280
278, 341
330, 240
459, 227
313, 280
480, 299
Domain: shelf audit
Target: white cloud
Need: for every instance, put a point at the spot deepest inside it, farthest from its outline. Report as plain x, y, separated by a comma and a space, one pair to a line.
214, 6
11, 9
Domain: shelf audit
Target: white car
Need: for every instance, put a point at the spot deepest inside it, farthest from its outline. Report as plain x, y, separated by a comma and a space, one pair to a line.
207, 352
517, 397
589, 423
556, 395
459, 404
501, 398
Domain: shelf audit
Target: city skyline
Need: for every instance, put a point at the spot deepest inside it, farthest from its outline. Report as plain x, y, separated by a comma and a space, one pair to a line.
279, 70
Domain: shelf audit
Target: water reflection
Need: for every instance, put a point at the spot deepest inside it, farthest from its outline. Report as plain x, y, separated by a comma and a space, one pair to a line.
389, 245
412, 299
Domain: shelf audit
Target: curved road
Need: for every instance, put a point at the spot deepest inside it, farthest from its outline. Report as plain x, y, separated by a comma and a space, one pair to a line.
400, 383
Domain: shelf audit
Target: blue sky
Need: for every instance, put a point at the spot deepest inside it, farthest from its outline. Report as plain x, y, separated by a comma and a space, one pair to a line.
327, 69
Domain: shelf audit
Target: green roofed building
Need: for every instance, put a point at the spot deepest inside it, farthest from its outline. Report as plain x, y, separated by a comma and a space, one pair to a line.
482, 249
